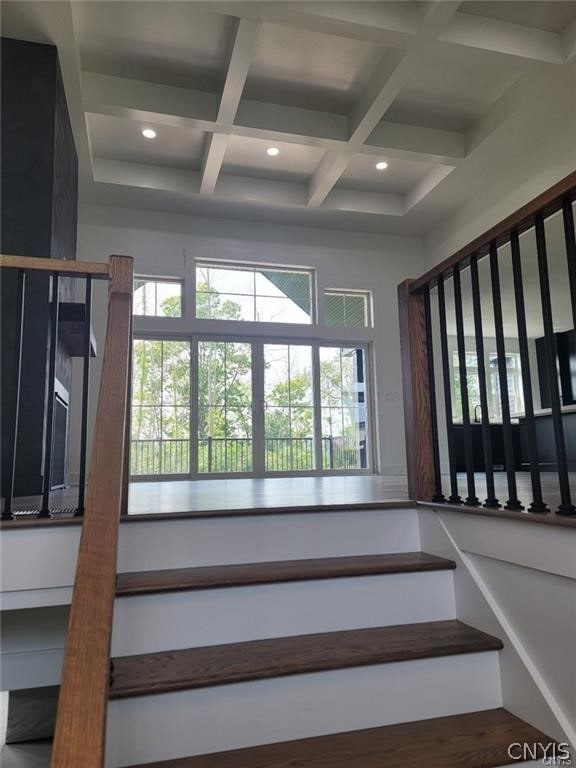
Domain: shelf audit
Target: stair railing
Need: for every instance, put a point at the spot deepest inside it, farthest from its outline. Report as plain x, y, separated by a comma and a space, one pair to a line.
82, 706
439, 339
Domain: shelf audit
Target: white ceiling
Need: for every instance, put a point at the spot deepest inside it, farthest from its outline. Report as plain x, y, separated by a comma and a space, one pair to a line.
433, 88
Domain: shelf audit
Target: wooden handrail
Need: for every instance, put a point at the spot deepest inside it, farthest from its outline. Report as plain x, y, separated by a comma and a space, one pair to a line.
82, 706
547, 203
98, 270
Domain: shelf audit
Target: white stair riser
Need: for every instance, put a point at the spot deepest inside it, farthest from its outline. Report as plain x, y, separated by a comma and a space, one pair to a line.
148, 623
38, 565
173, 725
260, 538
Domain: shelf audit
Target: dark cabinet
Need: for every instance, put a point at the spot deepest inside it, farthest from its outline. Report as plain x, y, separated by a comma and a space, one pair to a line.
565, 365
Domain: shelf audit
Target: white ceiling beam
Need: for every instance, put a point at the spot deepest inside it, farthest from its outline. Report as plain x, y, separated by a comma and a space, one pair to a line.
244, 39
242, 50
240, 188
140, 100
412, 142
364, 202
425, 186
385, 24
396, 24
165, 105
390, 77
522, 46
214, 152
187, 183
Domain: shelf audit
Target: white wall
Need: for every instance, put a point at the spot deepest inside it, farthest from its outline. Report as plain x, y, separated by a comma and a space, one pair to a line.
163, 243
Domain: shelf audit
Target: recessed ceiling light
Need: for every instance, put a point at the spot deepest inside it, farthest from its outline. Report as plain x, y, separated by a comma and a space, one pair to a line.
272, 151
381, 166
148, 133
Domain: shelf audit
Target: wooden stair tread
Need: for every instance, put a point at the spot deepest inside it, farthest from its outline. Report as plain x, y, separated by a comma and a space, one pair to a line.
212, 577
259, 659
472, 740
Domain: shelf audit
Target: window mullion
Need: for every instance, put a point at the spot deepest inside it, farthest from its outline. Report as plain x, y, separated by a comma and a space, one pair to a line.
317, 402
194, 407
258, 426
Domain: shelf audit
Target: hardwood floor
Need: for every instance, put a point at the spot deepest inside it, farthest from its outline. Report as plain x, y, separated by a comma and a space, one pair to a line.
277, 494
207, 666
473, 740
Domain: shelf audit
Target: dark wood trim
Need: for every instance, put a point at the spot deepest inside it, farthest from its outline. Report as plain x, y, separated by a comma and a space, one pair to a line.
34, 522
250, 574
164, 517
83, 700
471, 740
503, 514
417, 413
207, 666
547, 203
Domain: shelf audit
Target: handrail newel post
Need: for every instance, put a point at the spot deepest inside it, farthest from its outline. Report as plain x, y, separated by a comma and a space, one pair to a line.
420, 459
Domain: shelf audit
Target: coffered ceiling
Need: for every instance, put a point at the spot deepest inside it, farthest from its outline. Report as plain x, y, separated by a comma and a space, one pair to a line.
336, 87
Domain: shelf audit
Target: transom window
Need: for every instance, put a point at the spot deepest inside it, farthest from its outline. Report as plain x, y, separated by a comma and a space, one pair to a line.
157, 297
347, 308
253, 293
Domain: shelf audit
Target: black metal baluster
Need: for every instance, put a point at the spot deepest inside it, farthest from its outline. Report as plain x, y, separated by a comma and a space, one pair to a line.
471, 500
454, 497
566, 507
491, 500
13, 408
49, 436
537, 504
438, 497
509, 457
85, 395
570, 237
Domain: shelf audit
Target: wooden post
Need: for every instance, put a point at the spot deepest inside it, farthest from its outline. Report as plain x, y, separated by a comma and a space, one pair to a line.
417, 414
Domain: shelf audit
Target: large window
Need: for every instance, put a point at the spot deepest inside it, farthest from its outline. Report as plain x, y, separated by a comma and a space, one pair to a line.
263, 294
255, 408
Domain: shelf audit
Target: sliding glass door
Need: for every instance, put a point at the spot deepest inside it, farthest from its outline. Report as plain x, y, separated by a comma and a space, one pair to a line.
254, 407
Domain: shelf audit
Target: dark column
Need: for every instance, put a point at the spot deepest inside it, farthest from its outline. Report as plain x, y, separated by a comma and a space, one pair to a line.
38, 218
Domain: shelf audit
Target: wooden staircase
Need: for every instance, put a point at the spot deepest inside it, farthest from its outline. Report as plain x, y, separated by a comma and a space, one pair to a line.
343, 696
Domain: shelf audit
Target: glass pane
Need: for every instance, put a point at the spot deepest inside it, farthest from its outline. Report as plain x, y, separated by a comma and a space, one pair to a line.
160, 407
224, 407
344, 409
349, 309
159, 298
289, 413
250, 293
224, 306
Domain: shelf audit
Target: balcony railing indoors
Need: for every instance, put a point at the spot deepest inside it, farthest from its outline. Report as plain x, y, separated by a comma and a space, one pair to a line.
219, 455
489, 366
